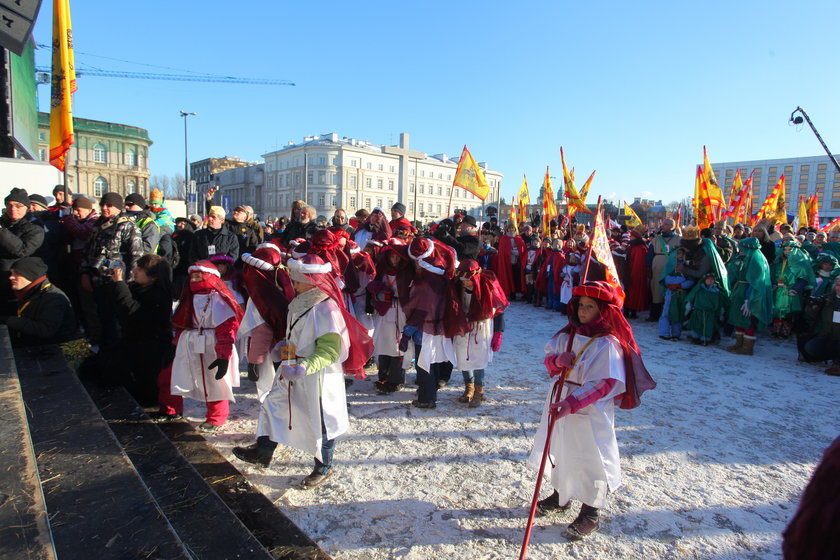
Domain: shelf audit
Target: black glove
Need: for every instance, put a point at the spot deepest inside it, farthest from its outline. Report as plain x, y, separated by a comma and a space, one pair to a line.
222, 365
404, 341
253, 374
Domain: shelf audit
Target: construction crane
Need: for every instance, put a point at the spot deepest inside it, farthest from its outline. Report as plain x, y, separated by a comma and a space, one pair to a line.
43, 77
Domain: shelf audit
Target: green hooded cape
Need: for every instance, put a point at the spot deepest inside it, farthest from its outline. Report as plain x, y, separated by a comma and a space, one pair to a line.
752, 277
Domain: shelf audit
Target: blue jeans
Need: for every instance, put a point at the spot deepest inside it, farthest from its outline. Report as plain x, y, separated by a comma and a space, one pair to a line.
475, 376
666, 328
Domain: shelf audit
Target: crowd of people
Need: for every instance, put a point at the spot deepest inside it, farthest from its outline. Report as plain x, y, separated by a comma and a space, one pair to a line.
174, 307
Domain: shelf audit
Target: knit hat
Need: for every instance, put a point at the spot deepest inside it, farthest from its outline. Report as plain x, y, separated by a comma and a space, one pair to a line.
30, 268
156, 197
399, 207
112, 199
18, 195
136, 198
82, 202
39, 200
470, 220
60, 188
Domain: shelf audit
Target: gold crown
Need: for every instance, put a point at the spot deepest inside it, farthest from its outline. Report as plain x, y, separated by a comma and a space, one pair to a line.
691, 232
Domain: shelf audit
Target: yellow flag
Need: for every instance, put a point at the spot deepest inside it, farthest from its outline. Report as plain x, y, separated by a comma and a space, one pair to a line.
549, 206
513, 213
469, 176
633, 218
803, 212
716, 200
773, 207
572, 196
63, 84
600, 245
523, 195
584, 190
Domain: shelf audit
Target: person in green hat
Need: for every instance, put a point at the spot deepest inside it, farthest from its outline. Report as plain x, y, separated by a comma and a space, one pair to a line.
792, 274
705, 301
751, 301
826, 270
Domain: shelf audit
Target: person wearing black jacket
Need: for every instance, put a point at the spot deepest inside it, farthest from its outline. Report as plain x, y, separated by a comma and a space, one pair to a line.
44, 314
182, 238
303, 227
18, 238
215, 239
143, 310
467, 243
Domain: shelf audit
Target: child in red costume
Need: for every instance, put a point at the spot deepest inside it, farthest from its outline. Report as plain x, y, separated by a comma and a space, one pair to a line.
205, 367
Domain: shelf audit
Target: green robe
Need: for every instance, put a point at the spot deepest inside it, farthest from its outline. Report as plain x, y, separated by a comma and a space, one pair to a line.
754, 277
718, 266
785, 272
707, 304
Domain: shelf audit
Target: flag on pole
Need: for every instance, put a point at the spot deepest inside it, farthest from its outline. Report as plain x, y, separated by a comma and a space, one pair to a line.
773, 207
814, 211
802, 213
702, 203
549, 206
469, 176
736, 196
524, 200
600, 244
716, 199
513, 214
573, 198
633, 218
584, 190
831, 225
63, 85
678, 216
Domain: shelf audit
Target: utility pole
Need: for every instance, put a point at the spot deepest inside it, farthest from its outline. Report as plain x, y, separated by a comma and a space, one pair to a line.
187, 189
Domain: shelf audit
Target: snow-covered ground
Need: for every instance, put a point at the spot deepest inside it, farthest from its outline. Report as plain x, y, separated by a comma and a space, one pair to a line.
714, 460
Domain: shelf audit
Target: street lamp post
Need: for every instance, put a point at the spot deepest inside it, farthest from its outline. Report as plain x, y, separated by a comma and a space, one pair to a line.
187, 165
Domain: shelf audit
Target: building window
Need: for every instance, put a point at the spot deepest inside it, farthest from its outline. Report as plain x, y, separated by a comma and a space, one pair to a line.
381, 167
422, 173
352, 180
440, 175
438, 208
411, 172
100, 186
379, 183
310, 177
390, 203
42, 154
100, 154
448, 191
457, 193
322, 178
352, 203
310, 198
334, 200
336, 161
449, 177
411, 207
440, 191
322, 160
368, 182
131, 158
429, 206
320, 201
354, 163
391, 169
422, 188
411, 187
130, 186
367, 203
369, 165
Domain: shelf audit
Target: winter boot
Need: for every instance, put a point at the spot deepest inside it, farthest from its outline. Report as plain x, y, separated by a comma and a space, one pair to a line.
551, 504
746, 349
587, 522
477, 397
655, 312
834, 370
739, 341
252, 454
469, 389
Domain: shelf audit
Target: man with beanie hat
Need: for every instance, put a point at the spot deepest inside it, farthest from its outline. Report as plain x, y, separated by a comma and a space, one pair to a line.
63, 199
135, 208
53, 250
115, 242
44, 314
398, 216
18, 238
215, 239
78, 227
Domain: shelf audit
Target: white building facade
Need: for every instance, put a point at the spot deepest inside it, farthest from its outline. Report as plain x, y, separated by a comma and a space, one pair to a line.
329, 172
240, 186
803, 176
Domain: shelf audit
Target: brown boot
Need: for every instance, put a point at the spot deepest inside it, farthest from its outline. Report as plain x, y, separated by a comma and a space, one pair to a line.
834, 369
469, 389
739, 341
476, 399
746, 348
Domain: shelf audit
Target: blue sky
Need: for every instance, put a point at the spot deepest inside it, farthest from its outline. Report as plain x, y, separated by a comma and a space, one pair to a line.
633, 90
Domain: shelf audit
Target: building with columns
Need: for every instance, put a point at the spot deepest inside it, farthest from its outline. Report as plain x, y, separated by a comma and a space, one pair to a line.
330, 172
105, 157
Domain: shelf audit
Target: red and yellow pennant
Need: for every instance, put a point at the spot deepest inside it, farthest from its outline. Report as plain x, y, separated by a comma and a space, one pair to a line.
814, 211
715, 198
469, 176
773, 207
63, 85
513, 214
702, 203
600, 249
524, 200
802, 212
831, 225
